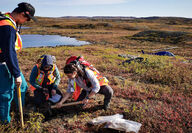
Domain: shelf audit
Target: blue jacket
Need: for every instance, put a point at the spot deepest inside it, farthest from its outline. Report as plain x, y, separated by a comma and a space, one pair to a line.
34, 73
165, 53
7, 45
161, 53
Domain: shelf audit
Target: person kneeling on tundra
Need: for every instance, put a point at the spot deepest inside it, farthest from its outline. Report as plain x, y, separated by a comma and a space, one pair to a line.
89, 79
44, 79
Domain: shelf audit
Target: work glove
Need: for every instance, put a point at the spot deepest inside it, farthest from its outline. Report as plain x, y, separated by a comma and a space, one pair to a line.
18, 81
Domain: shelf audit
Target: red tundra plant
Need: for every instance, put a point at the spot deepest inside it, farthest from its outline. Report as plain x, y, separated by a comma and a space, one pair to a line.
171, 113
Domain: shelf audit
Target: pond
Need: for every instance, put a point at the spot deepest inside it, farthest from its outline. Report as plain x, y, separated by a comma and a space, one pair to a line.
33, 40
23, 27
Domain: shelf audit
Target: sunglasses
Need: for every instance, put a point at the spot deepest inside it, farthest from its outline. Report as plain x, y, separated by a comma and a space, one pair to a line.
27, 16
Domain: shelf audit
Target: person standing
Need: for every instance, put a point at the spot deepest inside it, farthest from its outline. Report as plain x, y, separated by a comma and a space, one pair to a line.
10, 42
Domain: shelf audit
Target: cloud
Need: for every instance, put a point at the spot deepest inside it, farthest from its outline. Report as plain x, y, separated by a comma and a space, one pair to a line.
82, 2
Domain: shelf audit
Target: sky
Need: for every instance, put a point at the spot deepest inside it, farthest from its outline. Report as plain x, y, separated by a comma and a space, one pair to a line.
128, 8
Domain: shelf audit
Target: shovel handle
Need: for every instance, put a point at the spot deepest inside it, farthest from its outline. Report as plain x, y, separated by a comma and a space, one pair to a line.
20, 106
67, 104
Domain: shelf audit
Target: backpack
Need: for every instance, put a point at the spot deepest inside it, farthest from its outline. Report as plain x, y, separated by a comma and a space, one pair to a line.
2, 17
81, 64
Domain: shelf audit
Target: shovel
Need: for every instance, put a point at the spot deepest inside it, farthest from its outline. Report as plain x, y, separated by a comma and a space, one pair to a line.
20, 106
67, 104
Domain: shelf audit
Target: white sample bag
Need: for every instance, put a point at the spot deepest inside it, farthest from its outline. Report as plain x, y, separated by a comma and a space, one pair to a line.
117, 122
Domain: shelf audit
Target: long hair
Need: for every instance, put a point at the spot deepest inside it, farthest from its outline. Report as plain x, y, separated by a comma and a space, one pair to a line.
70, 68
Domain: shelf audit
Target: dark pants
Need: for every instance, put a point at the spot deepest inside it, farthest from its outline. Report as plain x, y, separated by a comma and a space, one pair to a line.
40, 96
105, 90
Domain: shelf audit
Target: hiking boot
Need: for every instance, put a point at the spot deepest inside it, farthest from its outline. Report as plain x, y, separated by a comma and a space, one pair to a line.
106, 106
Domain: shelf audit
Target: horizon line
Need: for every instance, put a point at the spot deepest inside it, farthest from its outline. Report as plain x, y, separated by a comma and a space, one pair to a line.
117, 16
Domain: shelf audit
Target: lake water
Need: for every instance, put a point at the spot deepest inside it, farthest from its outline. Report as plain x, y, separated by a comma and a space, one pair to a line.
33, 40
23, 27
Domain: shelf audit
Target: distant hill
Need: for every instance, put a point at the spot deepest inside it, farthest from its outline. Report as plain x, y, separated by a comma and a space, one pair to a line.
167, 20
100, 17
131, 17
156, 17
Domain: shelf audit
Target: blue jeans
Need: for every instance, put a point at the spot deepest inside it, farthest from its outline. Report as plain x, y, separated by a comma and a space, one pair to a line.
7, 86
6, 93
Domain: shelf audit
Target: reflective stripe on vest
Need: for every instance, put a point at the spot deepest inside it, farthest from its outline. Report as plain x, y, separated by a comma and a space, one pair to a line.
102, 80
40, 77
77, 91
8, 21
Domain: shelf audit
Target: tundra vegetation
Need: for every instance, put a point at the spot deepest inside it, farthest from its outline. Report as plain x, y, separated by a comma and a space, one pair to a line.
156, 92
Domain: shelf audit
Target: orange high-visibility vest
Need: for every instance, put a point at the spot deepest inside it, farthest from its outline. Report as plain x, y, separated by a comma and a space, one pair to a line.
40, 77
9, 21
77, 91
102, 81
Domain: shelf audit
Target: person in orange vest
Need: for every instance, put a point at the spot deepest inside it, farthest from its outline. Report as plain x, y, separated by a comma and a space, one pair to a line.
91, 83
10, 42
44, 80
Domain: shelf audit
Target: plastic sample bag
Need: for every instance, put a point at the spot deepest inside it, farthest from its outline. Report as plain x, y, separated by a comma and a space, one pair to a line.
55, 98
117, 122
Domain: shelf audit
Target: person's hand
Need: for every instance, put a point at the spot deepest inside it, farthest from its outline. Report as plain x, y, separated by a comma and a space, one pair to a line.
53, 92
18, 81
58, 105
85, 101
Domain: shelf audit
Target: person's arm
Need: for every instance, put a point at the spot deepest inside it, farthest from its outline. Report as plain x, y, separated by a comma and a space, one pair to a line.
8, 49
33, 76
95, 85
90, 94
65, 97
57, 78
69, 92
8, 40
94, 82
